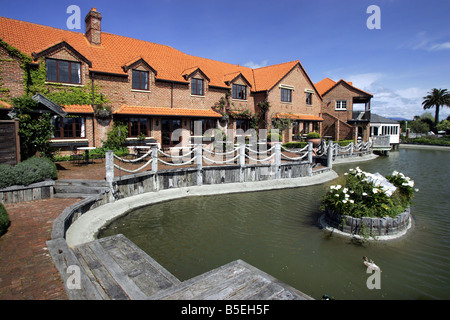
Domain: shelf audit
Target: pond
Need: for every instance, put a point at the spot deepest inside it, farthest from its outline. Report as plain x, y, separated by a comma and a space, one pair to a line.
278, 232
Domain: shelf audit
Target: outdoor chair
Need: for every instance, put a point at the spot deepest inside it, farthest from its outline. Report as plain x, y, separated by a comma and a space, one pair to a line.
75, 157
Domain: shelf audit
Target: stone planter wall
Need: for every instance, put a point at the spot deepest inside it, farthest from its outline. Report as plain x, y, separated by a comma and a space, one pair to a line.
35, 191
385, 226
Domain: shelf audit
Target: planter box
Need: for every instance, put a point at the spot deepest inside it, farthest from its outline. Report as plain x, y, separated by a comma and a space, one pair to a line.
35, 191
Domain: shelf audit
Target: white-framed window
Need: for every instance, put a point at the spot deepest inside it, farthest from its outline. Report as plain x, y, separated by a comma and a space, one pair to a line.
341, 105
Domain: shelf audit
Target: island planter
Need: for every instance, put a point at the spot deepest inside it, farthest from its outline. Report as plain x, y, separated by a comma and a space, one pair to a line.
369, 206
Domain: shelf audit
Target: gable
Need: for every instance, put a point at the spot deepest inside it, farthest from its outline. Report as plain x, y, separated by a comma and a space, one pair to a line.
139, 64
194, 72
236, 78
58, 49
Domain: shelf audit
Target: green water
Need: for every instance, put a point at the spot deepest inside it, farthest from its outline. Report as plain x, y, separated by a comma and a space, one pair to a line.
278, 232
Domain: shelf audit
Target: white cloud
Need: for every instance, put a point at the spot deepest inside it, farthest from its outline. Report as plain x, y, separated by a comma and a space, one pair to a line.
386, 101
254, 65
440, 46
364, 81
422, 41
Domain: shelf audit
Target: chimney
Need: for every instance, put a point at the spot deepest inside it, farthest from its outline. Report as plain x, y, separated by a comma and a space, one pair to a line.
94, 27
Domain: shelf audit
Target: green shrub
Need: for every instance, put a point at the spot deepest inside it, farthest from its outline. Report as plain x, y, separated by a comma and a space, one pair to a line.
313, 135
344, 143
27, 172
273, 137
4, 220
362, 195
7, 176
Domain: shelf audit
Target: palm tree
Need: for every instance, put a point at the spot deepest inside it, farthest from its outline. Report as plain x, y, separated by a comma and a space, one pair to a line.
436, 98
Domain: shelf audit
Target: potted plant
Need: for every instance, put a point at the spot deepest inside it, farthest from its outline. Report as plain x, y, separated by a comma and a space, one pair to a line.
103, 112
315, 138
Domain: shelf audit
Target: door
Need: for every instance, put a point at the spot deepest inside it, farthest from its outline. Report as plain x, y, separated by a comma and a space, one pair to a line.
168, 126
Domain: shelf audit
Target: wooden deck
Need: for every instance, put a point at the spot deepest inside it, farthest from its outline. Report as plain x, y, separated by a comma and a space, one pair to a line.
114, 268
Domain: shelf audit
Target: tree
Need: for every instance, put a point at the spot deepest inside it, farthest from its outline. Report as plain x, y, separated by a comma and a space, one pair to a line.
35, 131
435, 99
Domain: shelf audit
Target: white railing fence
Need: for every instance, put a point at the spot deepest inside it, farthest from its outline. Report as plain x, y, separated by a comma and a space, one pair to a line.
198, 155
240, 154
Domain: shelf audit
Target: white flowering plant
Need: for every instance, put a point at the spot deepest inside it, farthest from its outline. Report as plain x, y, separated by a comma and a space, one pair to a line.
364, 194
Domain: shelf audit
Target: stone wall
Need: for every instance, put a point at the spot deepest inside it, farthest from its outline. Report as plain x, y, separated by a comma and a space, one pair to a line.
185, 177
35, 191
385, 226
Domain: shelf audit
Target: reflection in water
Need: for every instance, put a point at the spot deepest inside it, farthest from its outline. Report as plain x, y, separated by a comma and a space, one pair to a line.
278, 232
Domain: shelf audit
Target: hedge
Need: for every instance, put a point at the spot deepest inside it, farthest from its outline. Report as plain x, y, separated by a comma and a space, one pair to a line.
27, 172
295, 145
4, 220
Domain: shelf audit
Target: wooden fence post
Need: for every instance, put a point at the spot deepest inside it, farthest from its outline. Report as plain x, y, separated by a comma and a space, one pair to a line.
109, 166
199, 163
155, 159
330, 154
278, 160
310, 158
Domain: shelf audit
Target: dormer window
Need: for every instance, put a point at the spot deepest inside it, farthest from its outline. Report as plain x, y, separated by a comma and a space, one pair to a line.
239, 92
197, 87
63, 71
140, 80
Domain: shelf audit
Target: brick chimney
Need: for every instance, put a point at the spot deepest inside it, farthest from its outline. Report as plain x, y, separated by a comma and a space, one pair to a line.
94, 27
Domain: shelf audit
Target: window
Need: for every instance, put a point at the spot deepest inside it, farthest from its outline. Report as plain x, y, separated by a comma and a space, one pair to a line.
140, 80
341, 105
242, 124
197, 87
206, 124
69, 127
286, 95
63, 71
239, 92
137, 126
308, 98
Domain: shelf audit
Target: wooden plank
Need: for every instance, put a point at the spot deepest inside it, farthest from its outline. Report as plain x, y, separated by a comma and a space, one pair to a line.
134, 252
63, 257
101, 274
144, 275
98, 287
122, 279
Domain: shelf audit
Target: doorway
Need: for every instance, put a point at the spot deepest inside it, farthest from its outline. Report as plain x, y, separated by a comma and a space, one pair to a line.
168, 126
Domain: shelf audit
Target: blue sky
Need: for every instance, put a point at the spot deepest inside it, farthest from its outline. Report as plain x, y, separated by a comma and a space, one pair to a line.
398, 63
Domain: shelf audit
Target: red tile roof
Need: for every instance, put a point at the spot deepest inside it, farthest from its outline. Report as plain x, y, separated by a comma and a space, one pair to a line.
117, 51
306, 117
325, 85
4, 105
153, 111
76, 108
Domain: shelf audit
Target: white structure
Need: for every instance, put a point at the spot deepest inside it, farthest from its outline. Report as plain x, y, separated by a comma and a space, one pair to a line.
381, 126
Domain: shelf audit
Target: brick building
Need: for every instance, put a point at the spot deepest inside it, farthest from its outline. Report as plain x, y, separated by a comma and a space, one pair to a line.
345, 110
154, 88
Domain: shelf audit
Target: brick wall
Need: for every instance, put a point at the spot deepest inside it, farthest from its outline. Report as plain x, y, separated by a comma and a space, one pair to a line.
11, 75
297, 79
